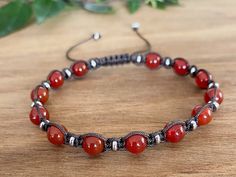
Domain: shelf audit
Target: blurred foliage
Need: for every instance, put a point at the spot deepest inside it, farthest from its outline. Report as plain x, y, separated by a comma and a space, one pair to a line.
18, 13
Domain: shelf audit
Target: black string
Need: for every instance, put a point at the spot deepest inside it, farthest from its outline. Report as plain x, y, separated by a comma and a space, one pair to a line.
68, 57
148, 46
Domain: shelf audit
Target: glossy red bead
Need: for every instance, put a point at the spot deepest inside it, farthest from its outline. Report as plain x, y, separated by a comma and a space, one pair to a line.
34, 115
55, 135
136, 143
204, 117
153, 60
210, 94
202, 79
175, 133
93, 145
40, 93
181, 66
79, 68
56, 79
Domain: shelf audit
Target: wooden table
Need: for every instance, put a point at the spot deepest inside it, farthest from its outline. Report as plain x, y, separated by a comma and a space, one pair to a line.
117, 100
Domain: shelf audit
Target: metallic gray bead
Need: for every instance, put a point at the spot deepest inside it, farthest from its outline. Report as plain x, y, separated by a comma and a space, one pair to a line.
42, 124
135, 25
137, 59
72, 141
158, 139
114, 145
193, 124
167, 62
67, 73
193, 71
213, 85
34, 103
215, 105
93, 63
46, 84
96, 36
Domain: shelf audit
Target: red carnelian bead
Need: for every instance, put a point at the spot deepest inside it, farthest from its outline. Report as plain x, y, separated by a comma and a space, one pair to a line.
34, 116
79, 68
175, 133
210, 94
40, 93
181, 66
56, 79
93, 145
153, 60
55, 135
204, 117
136, 144
202, 79
196, 109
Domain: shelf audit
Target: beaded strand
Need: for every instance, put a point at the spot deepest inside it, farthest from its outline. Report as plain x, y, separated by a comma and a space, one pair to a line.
134, 142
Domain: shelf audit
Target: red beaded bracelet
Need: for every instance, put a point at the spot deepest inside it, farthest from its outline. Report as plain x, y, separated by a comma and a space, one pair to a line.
134, 142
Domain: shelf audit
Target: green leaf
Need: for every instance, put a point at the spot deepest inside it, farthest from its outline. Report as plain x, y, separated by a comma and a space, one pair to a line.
97, 8
100, 1
133, 5
161, 4
13, 16
152, 3
172, 2
47, 8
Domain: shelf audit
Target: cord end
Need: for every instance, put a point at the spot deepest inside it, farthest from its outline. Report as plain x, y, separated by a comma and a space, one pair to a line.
135, 26
96, 36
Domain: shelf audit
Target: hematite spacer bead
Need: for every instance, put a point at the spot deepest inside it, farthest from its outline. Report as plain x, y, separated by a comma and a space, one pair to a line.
72, 141
44, 125
137, 59
214, 105
67, 73
35, 103
93, 63
114, 145
157, 139
193, 125
193, 71
213, 85
46, 84
167, 62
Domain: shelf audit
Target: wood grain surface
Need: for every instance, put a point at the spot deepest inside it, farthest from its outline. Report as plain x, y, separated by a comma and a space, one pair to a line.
114, 101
